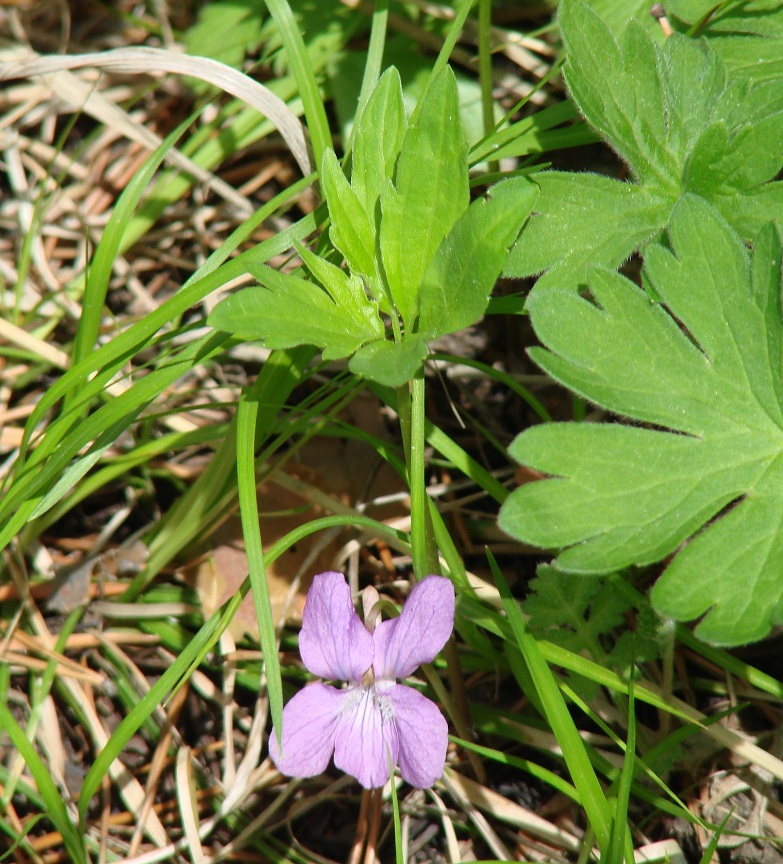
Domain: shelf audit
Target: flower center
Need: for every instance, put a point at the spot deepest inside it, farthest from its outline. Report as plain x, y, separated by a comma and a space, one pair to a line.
382, 704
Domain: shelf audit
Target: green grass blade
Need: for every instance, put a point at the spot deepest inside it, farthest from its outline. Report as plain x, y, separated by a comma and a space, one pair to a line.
620, 836
39, 690
734, 665
351, 520
109, 358
18, 840
235, 128
168, 683
246, 229
465, 463
452, 35
106, 361
120, 466
247, 414
56, 476
399, 852
711, 848
22, 497
374, 63
485, 68
55, 808
302, 70
543, 774
100, 271
590, 792
196, 511
502, 378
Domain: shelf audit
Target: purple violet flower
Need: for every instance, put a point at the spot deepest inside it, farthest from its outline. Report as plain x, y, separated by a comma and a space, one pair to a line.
373, 716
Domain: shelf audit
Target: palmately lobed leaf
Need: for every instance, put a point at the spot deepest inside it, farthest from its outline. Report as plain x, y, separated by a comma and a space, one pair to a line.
571, 611
704, 363
575, 224
682, 123
574, 613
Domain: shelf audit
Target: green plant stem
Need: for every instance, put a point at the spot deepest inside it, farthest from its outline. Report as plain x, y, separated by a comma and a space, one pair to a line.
424, 550
40, 689
456, 705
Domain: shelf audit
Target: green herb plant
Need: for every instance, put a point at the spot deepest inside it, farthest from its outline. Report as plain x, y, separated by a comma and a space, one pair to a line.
420, 259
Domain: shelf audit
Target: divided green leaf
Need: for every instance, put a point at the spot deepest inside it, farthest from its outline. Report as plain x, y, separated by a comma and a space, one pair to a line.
680, 122
379, 136
704, 366
460, 277
286, 310
409, 239
351, 232
575, 613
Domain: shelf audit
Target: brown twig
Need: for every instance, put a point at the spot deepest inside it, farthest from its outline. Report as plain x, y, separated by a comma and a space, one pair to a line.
659, 13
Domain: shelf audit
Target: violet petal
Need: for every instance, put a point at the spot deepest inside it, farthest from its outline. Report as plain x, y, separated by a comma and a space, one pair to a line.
424, 736
333, 642
427, 619
365, 737
309, 722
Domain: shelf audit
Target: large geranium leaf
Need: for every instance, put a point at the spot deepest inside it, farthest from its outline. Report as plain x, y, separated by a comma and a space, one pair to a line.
703, 368
585, 219
681, 121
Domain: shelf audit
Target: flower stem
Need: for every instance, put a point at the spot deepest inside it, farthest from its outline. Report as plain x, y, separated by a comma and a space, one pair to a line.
361, 829
423, 547
370, 856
